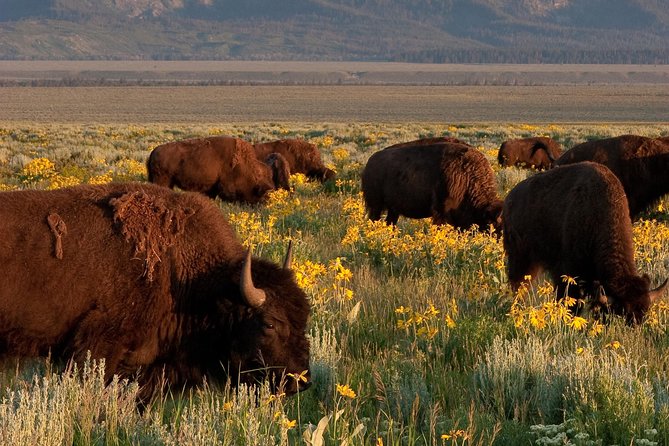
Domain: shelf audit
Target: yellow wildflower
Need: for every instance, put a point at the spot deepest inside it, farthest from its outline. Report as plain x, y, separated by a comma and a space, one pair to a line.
346, 391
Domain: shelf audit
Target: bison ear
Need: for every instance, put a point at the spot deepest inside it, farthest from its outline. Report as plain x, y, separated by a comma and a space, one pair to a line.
289, 256
255, 297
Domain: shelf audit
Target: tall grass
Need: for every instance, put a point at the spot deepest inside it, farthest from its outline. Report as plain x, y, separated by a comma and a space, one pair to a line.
415, 337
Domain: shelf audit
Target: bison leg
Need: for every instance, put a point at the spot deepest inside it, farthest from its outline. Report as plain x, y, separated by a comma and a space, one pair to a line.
374, 213
392, 217
518, 269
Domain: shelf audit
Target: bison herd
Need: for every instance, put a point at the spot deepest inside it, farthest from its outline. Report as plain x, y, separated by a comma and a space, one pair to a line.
157, 283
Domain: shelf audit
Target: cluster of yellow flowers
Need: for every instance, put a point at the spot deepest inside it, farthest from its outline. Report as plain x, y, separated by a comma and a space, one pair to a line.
130, 169
251, 228
324, 283
551, 312
37, 170
282, 203
426, 323
422, 243
340, 154
346, 391
323, 141
59, 181
650, 240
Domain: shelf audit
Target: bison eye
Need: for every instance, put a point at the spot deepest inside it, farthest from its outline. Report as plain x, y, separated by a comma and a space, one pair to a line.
269, 326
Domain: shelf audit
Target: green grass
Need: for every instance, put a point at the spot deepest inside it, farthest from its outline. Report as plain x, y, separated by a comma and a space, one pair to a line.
421, 330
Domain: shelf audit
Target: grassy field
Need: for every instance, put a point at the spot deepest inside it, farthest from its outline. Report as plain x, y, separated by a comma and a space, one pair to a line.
314, 104
415, 337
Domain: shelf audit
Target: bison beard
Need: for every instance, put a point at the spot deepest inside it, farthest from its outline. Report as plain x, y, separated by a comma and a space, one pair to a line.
153, 281
574, 221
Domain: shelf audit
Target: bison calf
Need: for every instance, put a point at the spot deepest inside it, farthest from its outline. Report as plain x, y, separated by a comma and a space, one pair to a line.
640, 163
539, 152
219, 166
450, 182
574, 221
155, 282
302, 157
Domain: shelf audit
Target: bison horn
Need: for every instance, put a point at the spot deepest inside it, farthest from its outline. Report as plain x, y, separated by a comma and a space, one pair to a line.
657, 292
255, 297
289, 256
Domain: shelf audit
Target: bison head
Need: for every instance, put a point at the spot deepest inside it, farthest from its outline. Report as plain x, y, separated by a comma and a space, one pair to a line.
636, 300
280, 170
271, 341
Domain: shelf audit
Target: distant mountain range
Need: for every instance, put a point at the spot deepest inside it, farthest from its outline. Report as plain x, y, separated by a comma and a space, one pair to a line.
533, 31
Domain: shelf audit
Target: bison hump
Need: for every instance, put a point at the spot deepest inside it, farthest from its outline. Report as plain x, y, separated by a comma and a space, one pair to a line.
150, 224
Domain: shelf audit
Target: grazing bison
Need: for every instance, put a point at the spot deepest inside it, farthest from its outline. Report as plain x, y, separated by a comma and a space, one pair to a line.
155, 282
641, 164
574, 221
450, 182
538, 152
302, 156
220, 166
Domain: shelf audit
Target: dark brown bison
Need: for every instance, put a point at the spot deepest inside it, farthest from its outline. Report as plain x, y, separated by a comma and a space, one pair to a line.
220, 166
574, 221
450, 182
639, 162
538, 152
154, 281
302, 156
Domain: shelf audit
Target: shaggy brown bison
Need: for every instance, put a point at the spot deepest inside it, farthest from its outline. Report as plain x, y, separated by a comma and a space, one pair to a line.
450, 182
574, 221
154, 281
539, 152
302, 156
639, 162
220, 166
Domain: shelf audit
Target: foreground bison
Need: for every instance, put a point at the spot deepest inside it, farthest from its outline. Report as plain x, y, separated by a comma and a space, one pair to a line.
574, 221
641, 164
450, 182
153, 281
538, 152
220, 166
302, 157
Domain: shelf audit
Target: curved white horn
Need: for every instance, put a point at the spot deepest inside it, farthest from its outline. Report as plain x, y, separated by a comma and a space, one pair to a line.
289, 256
657, 292
255, 297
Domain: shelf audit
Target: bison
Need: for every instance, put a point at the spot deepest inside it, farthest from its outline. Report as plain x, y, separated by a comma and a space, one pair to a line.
639, 162
153, 281
220, 166
450, 182
574, 221
538, 152
302, 157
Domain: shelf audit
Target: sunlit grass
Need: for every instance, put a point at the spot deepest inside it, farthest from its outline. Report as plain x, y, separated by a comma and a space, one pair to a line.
415, 336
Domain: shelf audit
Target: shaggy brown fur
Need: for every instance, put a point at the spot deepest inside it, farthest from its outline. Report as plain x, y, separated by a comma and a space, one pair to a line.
538, 153
302, 156
450, 182
640, 163
218, 166
149, 280
574, 221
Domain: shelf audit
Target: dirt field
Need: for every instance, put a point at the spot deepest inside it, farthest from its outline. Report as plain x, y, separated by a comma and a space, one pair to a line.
444, 104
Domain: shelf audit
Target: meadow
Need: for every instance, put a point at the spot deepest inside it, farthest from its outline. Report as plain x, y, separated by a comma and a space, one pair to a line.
415, 337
